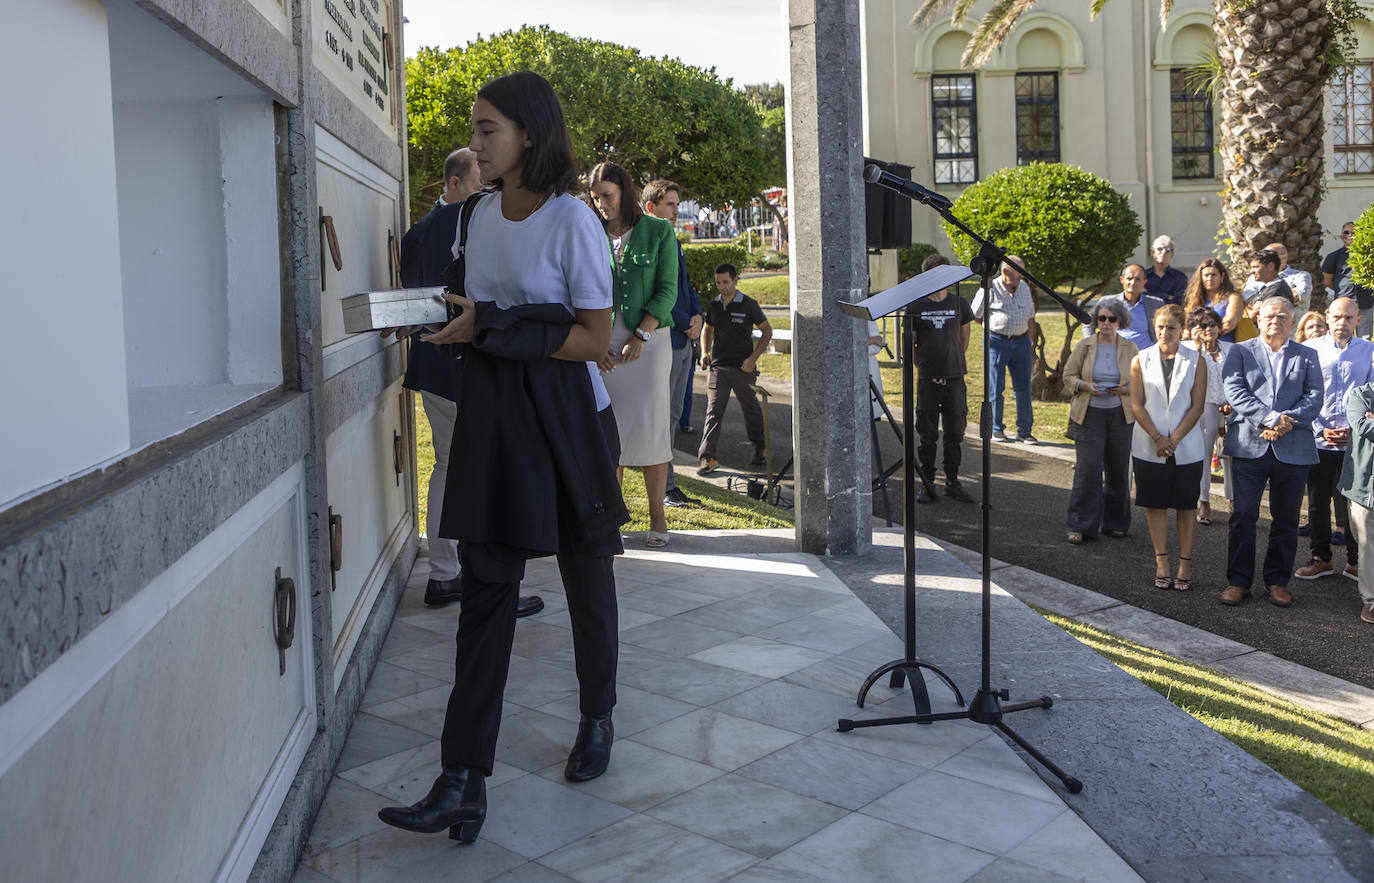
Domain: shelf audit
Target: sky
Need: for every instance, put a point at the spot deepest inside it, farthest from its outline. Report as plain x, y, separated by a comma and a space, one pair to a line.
742, 39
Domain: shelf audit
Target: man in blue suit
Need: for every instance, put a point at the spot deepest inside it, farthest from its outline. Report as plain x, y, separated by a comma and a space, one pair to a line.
1275, 388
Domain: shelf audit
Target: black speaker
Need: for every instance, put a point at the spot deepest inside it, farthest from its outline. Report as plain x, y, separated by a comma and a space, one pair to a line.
887, 214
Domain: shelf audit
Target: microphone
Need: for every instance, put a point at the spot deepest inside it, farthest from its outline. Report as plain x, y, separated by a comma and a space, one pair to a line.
874, 174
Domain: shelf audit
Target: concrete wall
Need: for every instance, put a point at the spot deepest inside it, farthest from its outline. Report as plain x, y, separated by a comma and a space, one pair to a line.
196, 438
64, 158
1113, 99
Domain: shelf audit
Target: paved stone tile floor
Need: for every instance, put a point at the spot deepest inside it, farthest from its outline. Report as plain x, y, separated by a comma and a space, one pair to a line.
727, 764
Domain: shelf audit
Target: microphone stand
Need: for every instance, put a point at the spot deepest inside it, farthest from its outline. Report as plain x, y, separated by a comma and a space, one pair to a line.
986, 707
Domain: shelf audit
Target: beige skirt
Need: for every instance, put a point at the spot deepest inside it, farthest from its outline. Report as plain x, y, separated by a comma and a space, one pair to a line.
639, 397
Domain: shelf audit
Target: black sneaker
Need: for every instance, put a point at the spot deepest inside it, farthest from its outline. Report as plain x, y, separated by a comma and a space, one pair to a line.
676, 499
759, 459
926, 494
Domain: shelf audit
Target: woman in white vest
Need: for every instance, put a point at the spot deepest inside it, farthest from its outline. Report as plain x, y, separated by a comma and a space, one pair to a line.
1168, 395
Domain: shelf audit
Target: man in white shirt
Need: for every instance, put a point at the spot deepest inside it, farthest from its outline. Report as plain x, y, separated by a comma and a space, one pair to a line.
1010, 317
1347, 361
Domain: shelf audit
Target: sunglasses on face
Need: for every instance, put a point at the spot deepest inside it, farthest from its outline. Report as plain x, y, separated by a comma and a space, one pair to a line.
1206, 325
1164, 248
1107, 318
1347, 232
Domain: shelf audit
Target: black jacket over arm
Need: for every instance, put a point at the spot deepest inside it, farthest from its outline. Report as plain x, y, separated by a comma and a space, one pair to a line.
530, 460
426, 249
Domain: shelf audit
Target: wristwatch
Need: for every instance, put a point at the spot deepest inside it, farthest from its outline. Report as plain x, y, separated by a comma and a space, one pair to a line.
642, 334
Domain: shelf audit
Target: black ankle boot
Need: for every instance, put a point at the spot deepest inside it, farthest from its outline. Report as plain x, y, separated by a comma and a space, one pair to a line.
457, 801
591, 752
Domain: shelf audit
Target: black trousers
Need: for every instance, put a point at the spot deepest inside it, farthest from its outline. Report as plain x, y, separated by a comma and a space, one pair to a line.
1321, 495
937, 398
486, 632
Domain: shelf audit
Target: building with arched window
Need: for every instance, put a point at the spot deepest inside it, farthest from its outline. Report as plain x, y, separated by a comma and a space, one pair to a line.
1112, 96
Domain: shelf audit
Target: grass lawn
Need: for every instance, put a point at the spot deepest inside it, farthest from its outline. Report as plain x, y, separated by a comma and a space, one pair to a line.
1329, 757
720, 509
773, 290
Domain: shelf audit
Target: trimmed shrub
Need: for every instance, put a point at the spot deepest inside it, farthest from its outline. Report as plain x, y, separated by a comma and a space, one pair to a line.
1070, 227
770, 260
909, 259
684, 237
1362, 249
702, 261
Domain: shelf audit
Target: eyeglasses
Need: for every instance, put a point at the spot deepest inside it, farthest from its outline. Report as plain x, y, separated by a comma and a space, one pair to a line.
1107, 318
1164, 248
1204, 325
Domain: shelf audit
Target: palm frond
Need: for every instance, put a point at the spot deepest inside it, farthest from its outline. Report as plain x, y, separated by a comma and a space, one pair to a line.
928, 10
992, 30
1165, 7
1095, 8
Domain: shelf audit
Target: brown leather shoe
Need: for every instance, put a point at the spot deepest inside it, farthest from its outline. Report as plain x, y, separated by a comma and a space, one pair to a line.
1279, 596
1234, 596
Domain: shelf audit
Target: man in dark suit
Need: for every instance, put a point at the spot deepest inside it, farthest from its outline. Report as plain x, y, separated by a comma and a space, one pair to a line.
1275, 389
426, 249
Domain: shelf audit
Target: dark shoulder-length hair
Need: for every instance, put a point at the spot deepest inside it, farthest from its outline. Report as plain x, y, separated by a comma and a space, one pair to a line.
527, 99
1195, 296
630, 210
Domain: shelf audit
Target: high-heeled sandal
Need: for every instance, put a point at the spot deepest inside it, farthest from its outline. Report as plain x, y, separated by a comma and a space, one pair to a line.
457, 801
1180, 583
1163, 582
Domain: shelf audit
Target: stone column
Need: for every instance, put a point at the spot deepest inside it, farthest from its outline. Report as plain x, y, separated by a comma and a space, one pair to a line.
828, 264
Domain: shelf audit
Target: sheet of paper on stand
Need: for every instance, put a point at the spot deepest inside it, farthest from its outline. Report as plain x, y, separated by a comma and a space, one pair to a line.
903, 293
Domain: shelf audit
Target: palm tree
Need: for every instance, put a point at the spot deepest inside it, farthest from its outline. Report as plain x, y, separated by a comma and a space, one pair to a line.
1275, 59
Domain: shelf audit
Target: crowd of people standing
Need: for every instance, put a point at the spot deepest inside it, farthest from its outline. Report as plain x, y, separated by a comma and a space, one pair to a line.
1182, 375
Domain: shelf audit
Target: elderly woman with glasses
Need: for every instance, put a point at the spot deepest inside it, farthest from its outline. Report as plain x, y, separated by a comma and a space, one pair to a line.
1098, 375
1203, 336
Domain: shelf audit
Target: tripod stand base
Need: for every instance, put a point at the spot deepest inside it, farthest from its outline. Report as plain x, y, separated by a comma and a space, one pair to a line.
911, 670
986, 708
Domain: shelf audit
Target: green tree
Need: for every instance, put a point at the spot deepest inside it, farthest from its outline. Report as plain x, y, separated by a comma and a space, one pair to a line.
1362, 249
1270, 91
766, 96
1071, 228
657, 117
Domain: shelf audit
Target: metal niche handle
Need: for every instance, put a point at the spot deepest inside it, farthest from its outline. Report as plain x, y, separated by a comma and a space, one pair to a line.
398, 454
335, 546
284, 619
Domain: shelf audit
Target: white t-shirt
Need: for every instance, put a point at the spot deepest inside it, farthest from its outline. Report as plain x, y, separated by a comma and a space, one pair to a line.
558, 255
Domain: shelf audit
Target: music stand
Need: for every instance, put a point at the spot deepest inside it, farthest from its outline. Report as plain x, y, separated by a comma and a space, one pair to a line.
986, 707
899, 297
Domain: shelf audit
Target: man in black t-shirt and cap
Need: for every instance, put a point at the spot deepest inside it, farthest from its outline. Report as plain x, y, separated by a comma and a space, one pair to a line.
942, 336
731, 355
1336, 277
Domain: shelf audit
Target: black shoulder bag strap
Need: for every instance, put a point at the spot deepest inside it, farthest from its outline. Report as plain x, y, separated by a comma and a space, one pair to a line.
454, 275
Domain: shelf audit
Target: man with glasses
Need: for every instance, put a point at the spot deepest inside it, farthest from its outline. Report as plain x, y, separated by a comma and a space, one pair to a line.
1347, 362
1138, 304
1274, 387
1163, 281
1336, 275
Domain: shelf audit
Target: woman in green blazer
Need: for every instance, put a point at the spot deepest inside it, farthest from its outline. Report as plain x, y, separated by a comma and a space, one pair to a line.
635, 370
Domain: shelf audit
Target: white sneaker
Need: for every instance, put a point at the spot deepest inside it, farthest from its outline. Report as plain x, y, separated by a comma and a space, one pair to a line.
1028, 439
